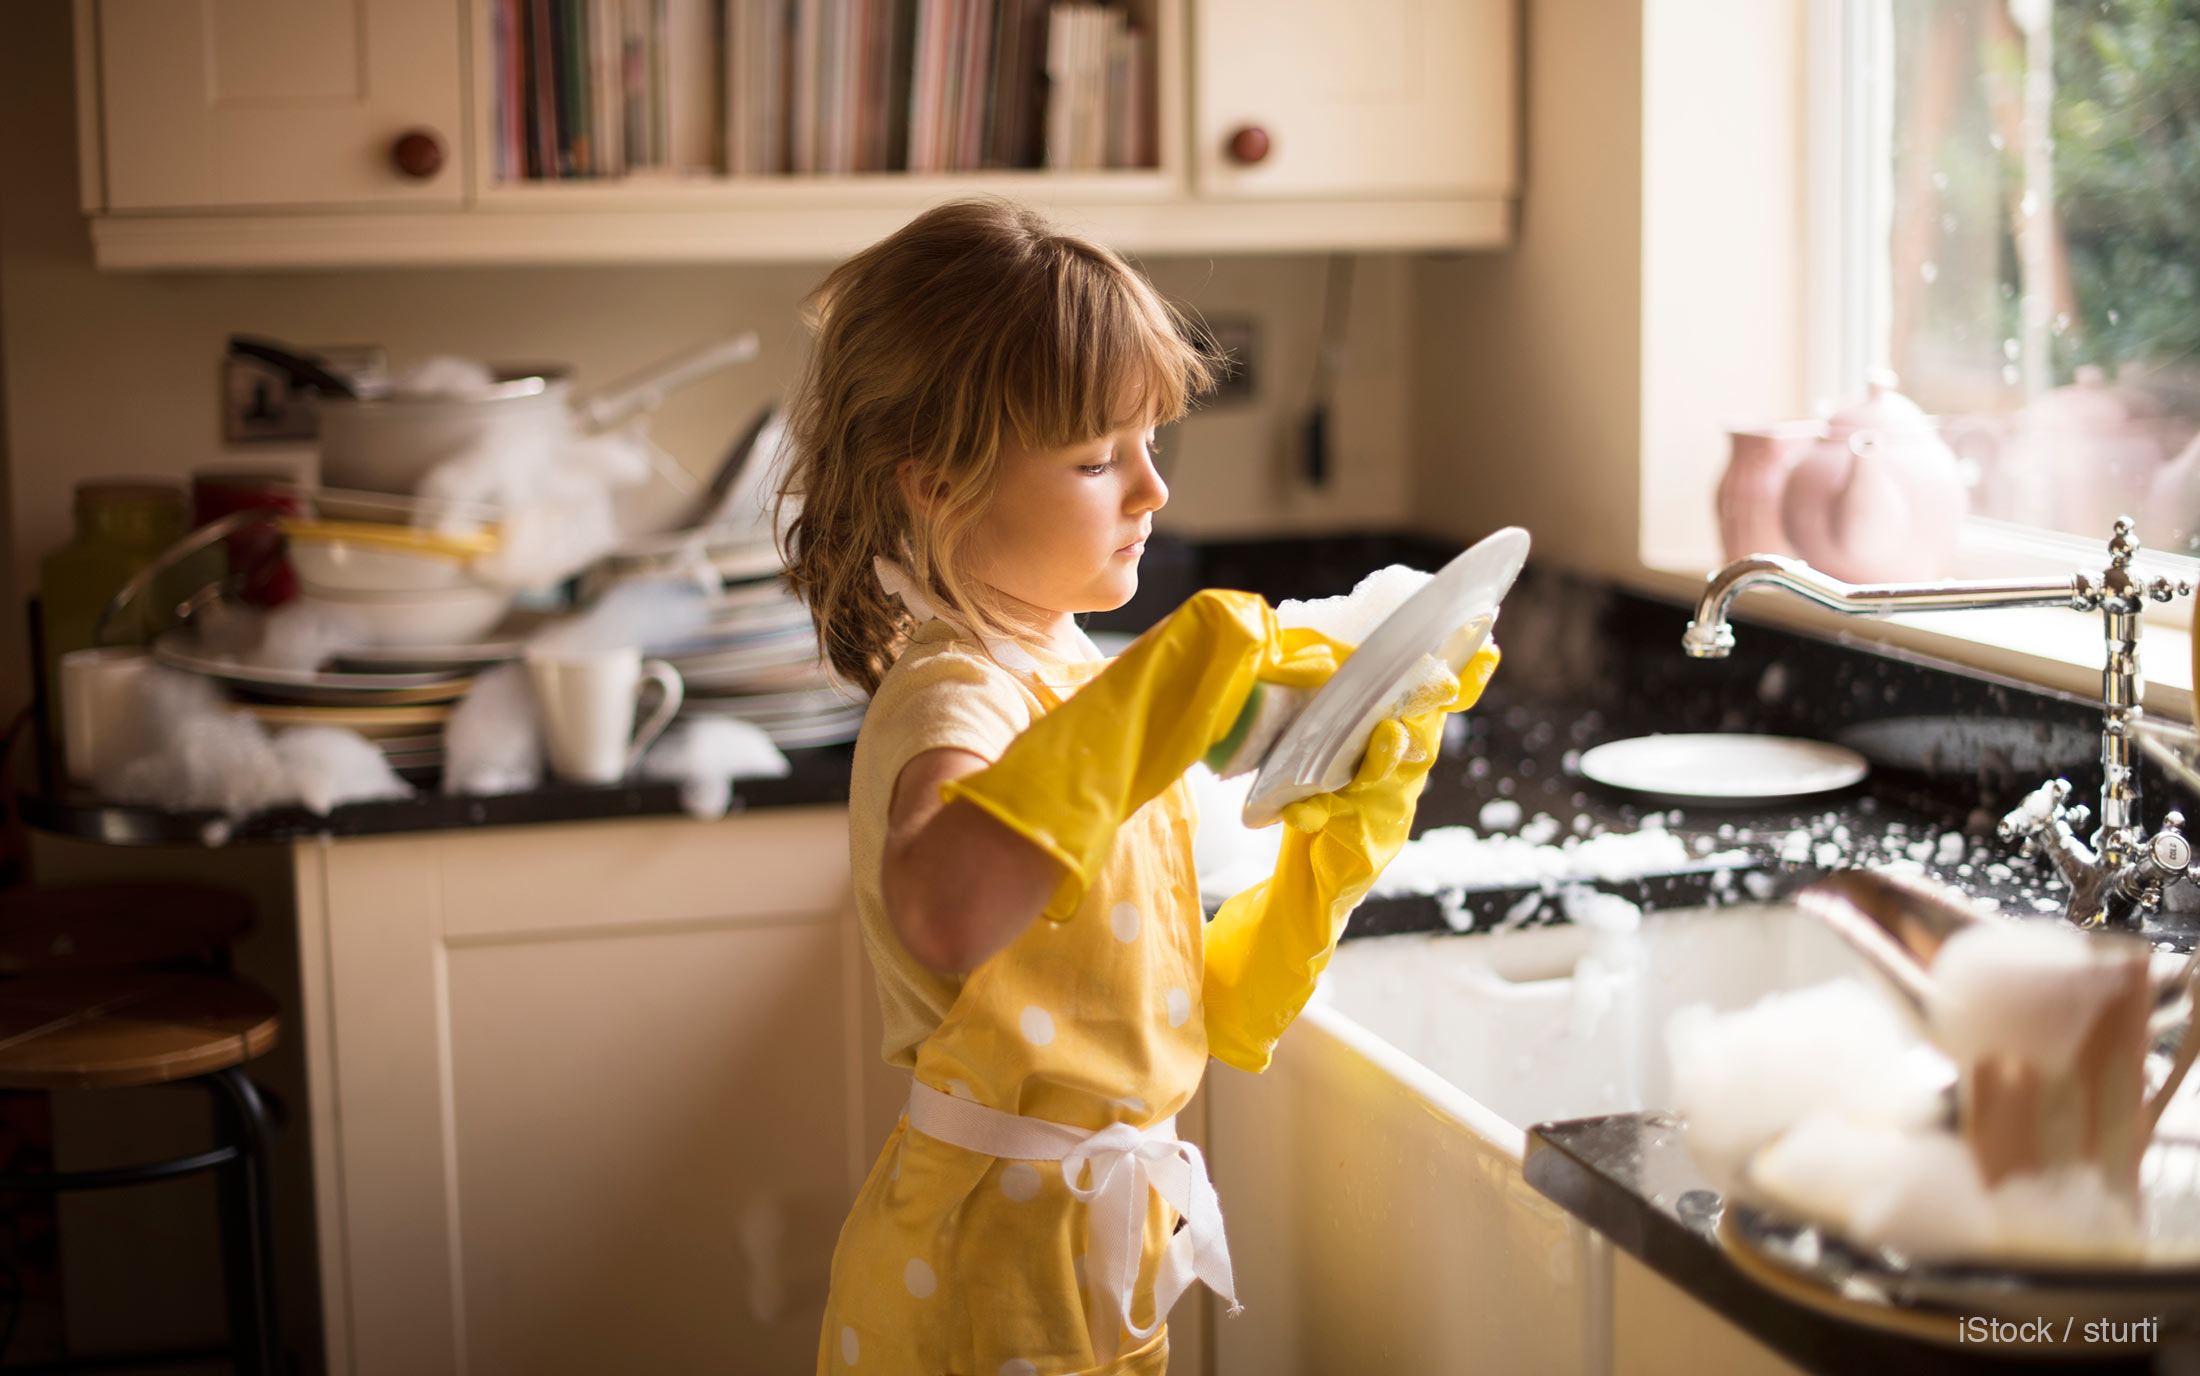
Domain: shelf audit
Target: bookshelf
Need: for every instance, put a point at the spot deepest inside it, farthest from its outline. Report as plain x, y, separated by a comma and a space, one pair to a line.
836, 194
1393, 125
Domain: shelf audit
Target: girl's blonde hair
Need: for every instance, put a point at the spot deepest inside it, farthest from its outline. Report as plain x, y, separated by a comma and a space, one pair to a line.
975, 322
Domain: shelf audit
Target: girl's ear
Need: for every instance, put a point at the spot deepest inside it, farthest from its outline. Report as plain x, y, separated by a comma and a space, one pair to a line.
917, 490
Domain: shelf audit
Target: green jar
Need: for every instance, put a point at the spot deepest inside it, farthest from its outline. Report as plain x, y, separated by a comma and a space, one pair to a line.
122, 524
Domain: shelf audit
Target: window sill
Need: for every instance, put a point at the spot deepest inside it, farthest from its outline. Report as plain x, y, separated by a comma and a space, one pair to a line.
2042, 647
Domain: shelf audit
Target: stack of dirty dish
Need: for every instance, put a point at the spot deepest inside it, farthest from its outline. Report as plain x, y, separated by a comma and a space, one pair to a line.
757, 656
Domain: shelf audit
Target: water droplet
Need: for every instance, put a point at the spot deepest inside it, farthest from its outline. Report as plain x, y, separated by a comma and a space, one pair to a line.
2011, 375
1929, 271
1940, 181
2115, 317
2029, 204
2010, 348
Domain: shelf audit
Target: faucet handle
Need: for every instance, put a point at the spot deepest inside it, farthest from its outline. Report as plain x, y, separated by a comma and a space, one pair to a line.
2162, 589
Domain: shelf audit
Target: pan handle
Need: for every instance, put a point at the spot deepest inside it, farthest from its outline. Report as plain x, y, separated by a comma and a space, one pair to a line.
645, 389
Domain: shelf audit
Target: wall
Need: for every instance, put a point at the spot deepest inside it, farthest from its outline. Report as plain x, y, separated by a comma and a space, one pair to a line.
116, 374
1580, 384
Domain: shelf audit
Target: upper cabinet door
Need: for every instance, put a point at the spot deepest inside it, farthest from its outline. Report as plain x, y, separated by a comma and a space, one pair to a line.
1299, 98
215, 103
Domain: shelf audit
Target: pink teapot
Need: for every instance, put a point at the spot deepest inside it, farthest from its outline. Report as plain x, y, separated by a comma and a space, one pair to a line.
1880, 498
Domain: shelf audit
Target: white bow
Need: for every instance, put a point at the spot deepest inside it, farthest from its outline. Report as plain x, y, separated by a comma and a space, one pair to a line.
1125, 1163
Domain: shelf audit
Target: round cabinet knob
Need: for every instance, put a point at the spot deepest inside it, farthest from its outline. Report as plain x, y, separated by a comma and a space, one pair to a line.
418, 153
1249, 145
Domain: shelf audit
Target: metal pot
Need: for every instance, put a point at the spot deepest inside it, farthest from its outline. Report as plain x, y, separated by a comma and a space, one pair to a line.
388, 443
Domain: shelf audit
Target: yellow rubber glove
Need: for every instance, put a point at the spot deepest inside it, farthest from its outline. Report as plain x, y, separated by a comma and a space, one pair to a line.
1076, 773
1270, 943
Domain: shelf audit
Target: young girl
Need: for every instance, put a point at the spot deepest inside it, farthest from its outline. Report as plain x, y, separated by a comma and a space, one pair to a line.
974, 467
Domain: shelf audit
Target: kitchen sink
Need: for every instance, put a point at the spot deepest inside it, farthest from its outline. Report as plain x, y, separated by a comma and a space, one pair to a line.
1372, 1177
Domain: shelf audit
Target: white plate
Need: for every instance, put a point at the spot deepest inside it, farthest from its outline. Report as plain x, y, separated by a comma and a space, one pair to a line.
1449, 618
1723, 767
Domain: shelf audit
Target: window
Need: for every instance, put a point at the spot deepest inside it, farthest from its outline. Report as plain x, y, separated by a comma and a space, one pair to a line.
2019, 242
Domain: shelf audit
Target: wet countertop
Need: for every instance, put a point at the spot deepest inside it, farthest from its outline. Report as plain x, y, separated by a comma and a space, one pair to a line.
1630, 1177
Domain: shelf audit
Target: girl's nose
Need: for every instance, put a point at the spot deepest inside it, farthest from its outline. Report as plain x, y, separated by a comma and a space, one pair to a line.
1147, 492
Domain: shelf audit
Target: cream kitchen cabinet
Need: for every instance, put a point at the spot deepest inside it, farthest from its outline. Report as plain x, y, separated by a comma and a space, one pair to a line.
588, 1097
1299, 98
259, 133
271, 103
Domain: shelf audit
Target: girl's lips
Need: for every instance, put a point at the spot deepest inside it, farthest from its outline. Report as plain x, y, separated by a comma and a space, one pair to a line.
1134, 547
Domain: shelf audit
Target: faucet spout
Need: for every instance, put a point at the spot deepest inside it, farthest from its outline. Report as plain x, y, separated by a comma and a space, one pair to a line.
1709, 636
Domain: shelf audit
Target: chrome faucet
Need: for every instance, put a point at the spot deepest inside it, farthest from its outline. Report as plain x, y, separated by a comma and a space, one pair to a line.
2120, 877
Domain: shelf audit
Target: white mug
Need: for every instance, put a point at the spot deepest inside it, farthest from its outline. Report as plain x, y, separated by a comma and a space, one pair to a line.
99, 708
587, 700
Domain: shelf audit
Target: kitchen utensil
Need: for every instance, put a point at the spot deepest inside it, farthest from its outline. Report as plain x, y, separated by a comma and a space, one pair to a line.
1816, 1267
99, 708
302, 368
1448, 619
364, 557
1897, 923
1723, 768
177, 650
1880, 498
389, 443
449, 616
383, 725
586, 701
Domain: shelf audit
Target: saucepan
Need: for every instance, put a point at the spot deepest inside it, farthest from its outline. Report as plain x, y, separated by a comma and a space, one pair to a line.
376, 438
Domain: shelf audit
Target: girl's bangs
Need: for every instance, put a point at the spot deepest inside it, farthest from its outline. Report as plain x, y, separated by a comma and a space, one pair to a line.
1112, 359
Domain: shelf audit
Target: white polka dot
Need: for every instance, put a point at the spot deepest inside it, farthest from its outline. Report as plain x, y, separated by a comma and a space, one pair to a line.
850, 1349
1038, 1025
1123, 917
960, 1089
1180, 1007
1020, 1181
919, 1278
1017, 1366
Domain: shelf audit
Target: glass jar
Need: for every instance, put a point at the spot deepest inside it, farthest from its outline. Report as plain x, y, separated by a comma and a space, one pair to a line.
122, 524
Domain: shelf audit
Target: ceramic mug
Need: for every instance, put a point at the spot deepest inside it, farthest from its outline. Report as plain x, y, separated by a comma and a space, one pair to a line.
99, 708
587, 701
2088, 1104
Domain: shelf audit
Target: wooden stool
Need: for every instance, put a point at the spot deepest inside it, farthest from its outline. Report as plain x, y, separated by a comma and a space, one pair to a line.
86, 926
119, 1029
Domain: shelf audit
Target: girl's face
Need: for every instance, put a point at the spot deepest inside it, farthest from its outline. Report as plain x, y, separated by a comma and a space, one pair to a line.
1067, 526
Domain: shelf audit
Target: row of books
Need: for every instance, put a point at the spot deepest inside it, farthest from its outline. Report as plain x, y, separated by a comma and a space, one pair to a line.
607, 88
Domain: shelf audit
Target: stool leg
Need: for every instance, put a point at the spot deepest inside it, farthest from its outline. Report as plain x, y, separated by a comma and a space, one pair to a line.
248, 1243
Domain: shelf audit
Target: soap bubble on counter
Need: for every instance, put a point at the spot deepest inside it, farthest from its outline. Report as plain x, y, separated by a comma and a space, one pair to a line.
1498, 814
646, 614
555, 489
329, 765
492, 743
198, 753
704, 755
1456, 857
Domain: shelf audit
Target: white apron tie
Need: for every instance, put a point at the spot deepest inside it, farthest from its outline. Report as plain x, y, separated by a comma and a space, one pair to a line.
1124, 1163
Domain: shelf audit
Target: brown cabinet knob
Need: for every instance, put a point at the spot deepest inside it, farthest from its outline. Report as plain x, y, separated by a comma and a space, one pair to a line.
418, 153
1249, 145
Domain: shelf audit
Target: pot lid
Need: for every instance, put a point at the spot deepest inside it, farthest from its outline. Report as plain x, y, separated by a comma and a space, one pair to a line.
1883, 411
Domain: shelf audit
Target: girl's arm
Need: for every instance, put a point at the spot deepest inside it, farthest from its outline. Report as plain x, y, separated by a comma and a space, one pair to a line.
959, 885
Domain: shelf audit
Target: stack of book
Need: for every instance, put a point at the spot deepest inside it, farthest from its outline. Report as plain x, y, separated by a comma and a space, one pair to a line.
607, 88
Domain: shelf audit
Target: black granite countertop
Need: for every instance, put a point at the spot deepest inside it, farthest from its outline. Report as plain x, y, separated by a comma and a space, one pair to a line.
1584, 664
1630, 1177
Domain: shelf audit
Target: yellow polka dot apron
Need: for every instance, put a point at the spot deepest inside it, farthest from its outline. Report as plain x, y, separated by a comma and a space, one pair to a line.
1017, 1252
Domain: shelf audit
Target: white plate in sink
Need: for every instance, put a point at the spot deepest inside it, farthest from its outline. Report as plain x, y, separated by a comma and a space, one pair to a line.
1724, 767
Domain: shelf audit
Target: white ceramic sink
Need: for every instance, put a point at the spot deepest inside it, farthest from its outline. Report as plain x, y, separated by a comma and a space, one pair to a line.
1379, 1219
1564, 1022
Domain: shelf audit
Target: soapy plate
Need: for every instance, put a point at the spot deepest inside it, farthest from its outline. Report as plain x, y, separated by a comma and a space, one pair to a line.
1723, 768
1449, 618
